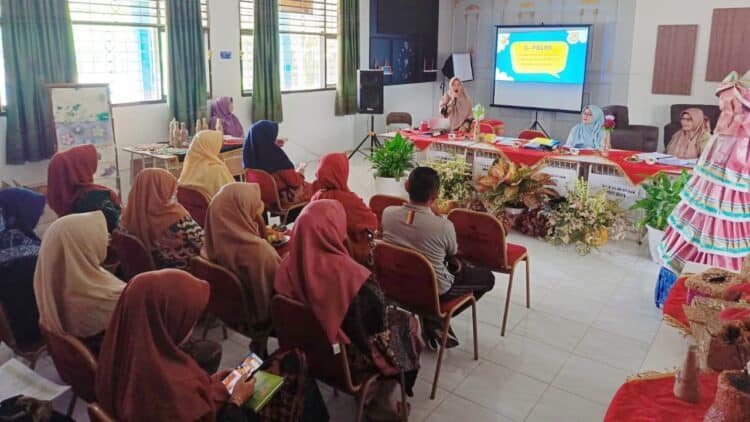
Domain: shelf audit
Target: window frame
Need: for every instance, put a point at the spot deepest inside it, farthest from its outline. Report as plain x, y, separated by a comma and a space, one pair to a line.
324, 37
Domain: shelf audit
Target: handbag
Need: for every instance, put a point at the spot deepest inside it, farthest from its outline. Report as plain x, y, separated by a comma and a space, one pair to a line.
397, 348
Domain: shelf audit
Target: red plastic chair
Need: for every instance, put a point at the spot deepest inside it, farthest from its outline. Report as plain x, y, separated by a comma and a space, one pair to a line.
297, 327
409, 279
378, 204
481, 241
31, 352
133, 255
229, 300
269, 193
74, 362
531, 134
195, 202
97, 414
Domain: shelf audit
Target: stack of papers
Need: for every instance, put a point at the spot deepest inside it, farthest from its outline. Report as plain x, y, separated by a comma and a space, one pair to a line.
18, 379
674, 161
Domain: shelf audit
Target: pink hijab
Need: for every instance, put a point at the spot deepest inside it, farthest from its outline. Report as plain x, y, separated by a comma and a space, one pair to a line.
230, 122
319, 271
688, 143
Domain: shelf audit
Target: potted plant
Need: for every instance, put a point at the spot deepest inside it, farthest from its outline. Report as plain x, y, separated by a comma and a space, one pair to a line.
509, 189
456, 187
662, 196
586, 220
390, 162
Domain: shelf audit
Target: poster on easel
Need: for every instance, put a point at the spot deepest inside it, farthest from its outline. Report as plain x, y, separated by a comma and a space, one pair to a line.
82, 114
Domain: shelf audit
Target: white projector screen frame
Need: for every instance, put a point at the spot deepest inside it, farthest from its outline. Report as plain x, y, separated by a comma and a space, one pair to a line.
462, 67
536, 94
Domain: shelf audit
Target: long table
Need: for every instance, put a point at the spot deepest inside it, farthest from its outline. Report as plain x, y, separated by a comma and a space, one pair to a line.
614, 173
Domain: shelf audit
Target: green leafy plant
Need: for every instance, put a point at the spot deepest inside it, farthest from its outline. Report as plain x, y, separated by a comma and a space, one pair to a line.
583, 217
662, 196
393, 158
456, 187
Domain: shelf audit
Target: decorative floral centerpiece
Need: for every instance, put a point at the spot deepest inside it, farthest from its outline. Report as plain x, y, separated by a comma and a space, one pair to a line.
609, 126
508, 185
456, 188
586, 220
478, 113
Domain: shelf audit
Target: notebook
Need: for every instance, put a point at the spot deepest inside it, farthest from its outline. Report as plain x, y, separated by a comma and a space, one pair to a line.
266, 385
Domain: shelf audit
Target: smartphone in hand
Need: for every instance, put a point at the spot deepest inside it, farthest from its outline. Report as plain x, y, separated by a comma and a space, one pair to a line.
244, 371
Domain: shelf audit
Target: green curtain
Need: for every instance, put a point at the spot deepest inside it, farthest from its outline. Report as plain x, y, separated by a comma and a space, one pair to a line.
187, 68
38, 50
348, 60
266, 103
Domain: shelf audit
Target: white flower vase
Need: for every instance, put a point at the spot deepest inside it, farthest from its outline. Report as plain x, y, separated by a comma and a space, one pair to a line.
654, 239
391, 186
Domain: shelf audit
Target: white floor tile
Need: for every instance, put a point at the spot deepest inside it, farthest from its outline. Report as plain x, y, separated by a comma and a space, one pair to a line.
558, 405
529, 357
589, 379
456, 408
502, 390
551, 329
612, 349
625, 321
457, 365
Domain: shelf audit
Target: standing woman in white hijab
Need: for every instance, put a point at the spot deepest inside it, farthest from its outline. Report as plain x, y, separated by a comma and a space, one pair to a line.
456, 106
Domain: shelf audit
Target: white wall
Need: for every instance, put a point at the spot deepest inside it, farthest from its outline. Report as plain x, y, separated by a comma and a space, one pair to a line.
309, 120
653, 109
607, 75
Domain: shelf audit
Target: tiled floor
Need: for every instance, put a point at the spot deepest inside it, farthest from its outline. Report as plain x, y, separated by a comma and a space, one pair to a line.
591, 324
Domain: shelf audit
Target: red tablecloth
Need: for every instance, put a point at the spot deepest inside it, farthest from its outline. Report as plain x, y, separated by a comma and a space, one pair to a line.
652, 400
635, 172
673, 311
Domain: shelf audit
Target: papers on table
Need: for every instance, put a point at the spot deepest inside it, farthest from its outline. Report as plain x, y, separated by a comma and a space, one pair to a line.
17, 378
507, 141
674, 161
655, 155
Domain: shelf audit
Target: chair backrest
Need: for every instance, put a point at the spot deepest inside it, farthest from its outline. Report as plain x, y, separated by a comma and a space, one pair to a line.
195, 202
228, 301
481, 238
7, 337
378, 204
407, 277
622, 120
297, 327
398, 118
269, 192
531, 134
74, 362
97, 414
133, 255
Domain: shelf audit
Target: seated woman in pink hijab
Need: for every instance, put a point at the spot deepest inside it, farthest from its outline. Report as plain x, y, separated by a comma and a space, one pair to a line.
223, 109
689, 141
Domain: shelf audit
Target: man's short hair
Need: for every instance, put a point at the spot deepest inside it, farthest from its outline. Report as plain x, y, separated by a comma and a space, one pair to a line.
424, 183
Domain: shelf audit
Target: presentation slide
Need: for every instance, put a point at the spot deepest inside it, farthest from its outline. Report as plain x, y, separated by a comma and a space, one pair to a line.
541, 67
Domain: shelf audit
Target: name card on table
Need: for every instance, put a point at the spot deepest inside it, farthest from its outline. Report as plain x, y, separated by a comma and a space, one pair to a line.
618, 188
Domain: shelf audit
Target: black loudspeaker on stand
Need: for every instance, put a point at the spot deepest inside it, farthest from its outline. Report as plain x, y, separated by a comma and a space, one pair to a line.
369, 101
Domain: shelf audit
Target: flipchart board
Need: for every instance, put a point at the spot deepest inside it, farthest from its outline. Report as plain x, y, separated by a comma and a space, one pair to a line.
82, 114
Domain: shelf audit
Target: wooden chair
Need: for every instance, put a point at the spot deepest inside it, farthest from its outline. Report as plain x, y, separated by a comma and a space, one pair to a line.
195, 202
481, 241
269, 193
531, 134
297, 327
398, 118
97, 414
378, 204
75, 363
133, 255
409, 279
229, 300
30, 352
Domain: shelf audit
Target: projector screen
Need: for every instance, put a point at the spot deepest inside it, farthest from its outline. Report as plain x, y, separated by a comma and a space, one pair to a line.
541, 67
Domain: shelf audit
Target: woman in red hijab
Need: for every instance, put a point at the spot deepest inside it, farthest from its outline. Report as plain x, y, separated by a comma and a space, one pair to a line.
143, 373
347, 302
71, 188
331, 183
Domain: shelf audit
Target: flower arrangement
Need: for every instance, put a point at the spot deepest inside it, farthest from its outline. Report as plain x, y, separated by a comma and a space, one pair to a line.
609, 123
583, 218
478, 112
455, 182
510, 185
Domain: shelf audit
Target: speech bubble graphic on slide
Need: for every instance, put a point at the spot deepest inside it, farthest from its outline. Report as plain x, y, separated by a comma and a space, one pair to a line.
548, 57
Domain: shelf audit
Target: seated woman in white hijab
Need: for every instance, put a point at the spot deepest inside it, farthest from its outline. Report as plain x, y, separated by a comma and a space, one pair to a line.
589, 134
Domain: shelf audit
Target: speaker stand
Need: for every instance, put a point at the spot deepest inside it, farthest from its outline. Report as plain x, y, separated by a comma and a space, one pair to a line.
371, 135
537, 125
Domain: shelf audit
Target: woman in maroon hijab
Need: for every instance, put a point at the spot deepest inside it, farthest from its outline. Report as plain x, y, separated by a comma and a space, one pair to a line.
143, 373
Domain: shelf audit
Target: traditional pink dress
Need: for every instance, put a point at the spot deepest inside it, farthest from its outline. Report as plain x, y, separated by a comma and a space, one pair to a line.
711, 224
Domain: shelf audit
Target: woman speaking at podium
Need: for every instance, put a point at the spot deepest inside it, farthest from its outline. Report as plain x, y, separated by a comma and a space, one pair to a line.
456, 106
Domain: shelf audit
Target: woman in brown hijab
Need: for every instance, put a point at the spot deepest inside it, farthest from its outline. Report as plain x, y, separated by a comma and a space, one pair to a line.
688, 142
235, 239
456, 106
143, 374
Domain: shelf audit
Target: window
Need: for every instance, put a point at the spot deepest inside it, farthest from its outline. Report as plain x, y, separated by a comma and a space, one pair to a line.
308, 46
123, 43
